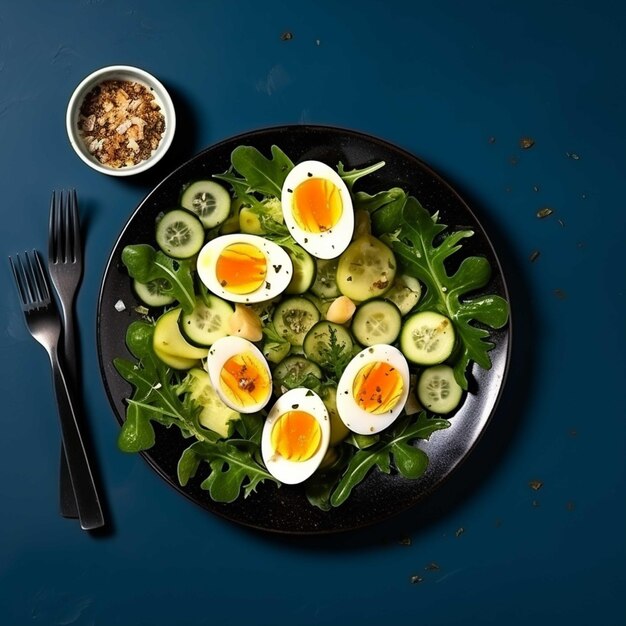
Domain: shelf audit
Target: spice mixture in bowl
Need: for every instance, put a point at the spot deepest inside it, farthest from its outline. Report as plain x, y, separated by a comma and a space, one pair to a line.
120, 120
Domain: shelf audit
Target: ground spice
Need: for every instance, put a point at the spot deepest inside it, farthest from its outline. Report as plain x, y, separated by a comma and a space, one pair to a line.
121, 123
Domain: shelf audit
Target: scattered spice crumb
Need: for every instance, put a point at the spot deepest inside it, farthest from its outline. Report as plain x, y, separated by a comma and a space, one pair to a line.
526, 142
584, 196
513, 160
534, 255
535, 188
545, 212
572, 155
459, 531
405, 541
286, 36
580, 244
317, 42
573, 433
535, 503
142, 310
536, 485
560, 294
120, 306
432, 567
570, 506
561, 223
492, 140
416, 579
121, 123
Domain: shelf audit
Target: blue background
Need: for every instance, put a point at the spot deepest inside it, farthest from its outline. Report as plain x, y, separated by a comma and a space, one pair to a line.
456, 83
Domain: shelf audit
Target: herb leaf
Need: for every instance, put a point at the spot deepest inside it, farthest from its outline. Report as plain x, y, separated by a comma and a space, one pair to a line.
351, 176
262, 175
144, 264
415, 247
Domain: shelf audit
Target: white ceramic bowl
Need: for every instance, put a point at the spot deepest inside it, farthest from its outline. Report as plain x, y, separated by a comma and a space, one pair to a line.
123, 73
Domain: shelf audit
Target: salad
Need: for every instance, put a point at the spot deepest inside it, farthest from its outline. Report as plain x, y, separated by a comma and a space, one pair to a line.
299, 331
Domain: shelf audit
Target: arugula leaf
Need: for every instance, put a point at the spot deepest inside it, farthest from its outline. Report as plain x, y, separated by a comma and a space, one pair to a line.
144, 264
232, 469
410, 461
415, 246
335, 356
262, 175
351, 176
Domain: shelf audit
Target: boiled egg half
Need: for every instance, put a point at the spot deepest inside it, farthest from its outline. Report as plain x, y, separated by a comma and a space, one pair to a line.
239, 374
317, 208
295, 436
244, 268
373, 389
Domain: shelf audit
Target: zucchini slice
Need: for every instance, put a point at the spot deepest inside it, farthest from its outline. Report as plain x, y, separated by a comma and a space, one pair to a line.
208, 200
325, 284
438, 391
303, 270
376, 321
168, 339
207, 323
180, 234
317, 341
293, 318
294, 370
427, 338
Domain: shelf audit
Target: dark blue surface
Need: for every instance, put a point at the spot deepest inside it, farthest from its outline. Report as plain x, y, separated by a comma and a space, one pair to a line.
439, 81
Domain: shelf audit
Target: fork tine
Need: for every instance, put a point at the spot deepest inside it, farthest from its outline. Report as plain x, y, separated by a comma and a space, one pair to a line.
29, 287
19, 279
52, 229
39, 278
74, 227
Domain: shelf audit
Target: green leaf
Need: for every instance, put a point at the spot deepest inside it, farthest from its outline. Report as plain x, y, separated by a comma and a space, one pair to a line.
369, 203
144, 264
262, 175
351, 176
137, 433
396, 444
422, 252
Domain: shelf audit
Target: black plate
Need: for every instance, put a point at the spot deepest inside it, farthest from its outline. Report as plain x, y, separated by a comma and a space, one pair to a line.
286, 510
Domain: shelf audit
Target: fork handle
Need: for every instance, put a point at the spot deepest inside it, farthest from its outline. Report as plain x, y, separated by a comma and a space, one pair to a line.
87, 499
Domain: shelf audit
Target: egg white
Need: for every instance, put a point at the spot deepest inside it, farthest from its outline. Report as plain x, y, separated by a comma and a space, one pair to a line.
358, 420
328, 244
222, 350
284, 470
279, 268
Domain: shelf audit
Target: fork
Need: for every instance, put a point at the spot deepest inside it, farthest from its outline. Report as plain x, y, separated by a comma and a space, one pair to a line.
65, 264
44, 323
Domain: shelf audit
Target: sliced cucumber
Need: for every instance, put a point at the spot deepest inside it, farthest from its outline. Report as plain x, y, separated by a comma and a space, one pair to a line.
405, 293
208, 321
303, 270
438, 391
294, 370
376, 321
168, 340
427, 338
325, 284
276, 351
214, 415
318, 341
180, 234
338, 430
153, 293
208, 200
293, 318
366, 269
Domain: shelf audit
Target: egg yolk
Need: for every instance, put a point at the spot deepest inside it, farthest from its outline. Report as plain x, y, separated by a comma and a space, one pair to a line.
296, 435
377, 387
317, 205
241, 268
245, 380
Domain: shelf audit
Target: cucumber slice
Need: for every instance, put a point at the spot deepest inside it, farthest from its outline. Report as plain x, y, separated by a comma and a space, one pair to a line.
427, 338
304, 270
293, 318
366, 269
275, 351
293, 371
153, 293
215, 415
376, 321
438, 391
405, 293
208, 200
169, 340
207, 323
180, 234
325, 284
338, 430
318, 340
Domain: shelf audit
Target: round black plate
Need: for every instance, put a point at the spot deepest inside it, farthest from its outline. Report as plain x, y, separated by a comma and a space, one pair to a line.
286, 509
